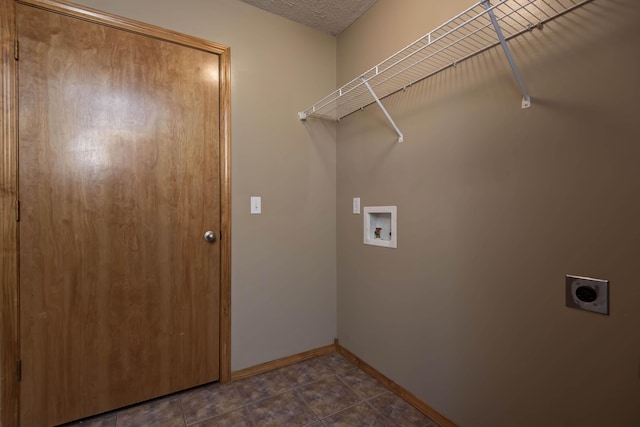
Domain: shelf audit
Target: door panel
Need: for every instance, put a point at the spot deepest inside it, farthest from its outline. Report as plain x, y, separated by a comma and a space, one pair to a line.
118, 181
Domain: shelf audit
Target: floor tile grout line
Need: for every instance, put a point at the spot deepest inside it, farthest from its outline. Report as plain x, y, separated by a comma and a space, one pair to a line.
429, 423
304, 402
295, 395
326, 365
235, 388
374, 409
234, 408
276, 372
366, 399
184, 417
313, 382
251, 417
386, 391
333, 373
262, 399
279, 371
361, 399
349, 387
343, 409
296, 391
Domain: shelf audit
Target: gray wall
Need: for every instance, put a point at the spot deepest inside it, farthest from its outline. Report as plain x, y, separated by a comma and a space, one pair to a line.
495, 205
283, 261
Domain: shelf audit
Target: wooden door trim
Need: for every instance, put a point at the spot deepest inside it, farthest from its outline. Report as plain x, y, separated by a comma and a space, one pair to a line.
99, 17
8, 224
9, 302
225, 216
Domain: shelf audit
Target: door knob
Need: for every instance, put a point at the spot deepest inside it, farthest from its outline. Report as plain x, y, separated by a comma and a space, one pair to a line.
210, 236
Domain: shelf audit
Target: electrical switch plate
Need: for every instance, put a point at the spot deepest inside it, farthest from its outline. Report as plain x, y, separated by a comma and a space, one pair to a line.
256, 205
587, 294
356, 205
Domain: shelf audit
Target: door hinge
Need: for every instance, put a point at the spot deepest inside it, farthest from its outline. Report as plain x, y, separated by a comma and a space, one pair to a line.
16, 49
19, 370
220, 235
17, 210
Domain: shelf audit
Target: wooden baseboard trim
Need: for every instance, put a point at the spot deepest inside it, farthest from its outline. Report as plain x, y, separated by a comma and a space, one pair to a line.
281, 363
405, 394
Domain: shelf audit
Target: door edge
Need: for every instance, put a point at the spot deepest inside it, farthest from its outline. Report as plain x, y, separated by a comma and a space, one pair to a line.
9, 392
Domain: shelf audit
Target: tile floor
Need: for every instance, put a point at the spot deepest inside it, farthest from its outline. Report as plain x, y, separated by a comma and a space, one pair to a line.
323, 391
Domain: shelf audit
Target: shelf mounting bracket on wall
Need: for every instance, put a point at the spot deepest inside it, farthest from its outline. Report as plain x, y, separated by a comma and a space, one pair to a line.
526, 99
384, 110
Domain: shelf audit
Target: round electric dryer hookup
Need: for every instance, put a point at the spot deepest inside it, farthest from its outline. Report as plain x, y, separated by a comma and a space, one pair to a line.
586, 294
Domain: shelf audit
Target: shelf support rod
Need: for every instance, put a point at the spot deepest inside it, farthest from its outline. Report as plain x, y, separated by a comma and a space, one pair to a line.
526, 100
384, 110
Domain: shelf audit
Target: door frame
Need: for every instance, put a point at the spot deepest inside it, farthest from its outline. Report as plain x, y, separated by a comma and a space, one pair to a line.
9, 233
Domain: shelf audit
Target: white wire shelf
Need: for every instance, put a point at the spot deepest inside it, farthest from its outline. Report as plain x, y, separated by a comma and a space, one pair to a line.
460, 38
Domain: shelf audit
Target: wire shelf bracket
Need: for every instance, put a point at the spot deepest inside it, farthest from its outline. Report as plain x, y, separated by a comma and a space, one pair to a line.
384, 110
526, 99
467, 34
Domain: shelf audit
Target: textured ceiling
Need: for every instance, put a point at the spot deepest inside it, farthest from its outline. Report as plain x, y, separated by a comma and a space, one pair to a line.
331, 16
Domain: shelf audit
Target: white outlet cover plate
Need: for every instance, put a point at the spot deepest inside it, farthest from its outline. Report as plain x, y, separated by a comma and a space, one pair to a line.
596, 289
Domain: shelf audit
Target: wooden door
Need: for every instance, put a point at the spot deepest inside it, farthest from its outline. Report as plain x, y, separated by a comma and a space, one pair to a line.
118, 181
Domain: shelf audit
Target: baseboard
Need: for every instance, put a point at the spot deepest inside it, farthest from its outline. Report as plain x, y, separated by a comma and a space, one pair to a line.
281, 363
405, 394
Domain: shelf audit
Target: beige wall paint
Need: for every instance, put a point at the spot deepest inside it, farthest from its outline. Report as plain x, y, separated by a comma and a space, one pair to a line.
495, 205
283, 261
